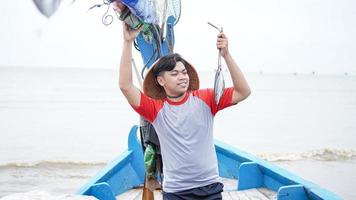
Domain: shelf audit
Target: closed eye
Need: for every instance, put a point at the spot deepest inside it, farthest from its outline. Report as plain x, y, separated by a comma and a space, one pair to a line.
175, 72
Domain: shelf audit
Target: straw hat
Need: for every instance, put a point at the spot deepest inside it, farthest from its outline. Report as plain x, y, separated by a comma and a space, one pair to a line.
152, 89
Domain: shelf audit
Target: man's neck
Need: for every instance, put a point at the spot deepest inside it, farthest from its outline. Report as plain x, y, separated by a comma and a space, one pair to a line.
176, 98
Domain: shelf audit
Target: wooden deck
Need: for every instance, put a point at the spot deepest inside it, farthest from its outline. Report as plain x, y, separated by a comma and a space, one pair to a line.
229, 193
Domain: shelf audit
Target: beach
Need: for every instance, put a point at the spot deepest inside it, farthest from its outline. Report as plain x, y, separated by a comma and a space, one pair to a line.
60, 126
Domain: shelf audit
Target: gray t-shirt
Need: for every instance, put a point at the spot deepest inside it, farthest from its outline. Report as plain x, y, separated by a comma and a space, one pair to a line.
185, 131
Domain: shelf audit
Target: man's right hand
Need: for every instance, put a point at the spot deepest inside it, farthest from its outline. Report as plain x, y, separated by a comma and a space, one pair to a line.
129, 33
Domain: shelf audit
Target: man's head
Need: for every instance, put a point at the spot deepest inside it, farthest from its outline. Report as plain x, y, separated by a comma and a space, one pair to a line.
172, 76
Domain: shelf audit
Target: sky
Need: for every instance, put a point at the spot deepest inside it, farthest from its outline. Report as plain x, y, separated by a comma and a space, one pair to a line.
284, 36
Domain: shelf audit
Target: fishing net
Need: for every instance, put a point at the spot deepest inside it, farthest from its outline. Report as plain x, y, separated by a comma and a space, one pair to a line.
147, 11
166, 8
158, 18
154, 11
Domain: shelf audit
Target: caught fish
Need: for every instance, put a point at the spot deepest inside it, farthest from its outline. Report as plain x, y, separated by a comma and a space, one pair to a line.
47, 7
219, 82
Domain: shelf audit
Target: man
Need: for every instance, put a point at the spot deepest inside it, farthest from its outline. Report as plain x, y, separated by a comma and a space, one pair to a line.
182, 115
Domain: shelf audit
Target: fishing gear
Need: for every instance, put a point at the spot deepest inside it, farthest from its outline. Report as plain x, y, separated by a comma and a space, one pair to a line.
124, 14
129, 18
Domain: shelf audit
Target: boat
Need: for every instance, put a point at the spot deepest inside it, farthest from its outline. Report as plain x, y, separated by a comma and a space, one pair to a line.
244, 175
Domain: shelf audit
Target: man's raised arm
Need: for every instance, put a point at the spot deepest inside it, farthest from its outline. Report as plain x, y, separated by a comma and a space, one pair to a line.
241, 87
126, 85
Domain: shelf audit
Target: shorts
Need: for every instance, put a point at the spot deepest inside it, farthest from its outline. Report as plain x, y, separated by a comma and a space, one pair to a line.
209, 192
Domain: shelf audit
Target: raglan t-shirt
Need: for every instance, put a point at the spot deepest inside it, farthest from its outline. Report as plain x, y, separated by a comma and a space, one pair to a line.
185, 132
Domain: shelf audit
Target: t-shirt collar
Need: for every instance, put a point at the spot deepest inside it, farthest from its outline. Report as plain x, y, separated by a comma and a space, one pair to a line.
186, 95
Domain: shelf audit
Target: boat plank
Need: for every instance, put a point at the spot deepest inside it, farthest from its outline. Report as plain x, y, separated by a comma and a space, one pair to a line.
226, 196
130, 195
255, 194
230, 193
229, 184
138, 196
238, 195
270, 194
158, 195
251, 194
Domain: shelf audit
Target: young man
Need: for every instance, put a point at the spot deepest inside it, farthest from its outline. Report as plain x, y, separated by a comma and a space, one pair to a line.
182, 115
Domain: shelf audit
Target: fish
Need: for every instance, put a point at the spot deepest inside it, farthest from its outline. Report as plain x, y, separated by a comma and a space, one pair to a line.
47, 7
219, 82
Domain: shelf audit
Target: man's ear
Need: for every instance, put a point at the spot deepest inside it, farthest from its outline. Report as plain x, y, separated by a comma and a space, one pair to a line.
161, 81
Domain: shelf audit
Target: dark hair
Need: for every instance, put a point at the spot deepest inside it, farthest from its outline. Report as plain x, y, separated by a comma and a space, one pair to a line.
167, 63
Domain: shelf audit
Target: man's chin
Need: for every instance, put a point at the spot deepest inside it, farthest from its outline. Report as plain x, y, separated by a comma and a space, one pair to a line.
181, 91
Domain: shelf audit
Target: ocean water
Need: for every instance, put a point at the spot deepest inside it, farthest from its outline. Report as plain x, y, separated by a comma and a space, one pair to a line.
60, 126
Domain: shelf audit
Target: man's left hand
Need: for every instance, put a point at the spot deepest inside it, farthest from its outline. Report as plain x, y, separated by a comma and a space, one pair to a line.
222, 44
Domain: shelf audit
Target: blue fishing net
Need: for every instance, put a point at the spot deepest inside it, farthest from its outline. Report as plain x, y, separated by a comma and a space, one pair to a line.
154, 11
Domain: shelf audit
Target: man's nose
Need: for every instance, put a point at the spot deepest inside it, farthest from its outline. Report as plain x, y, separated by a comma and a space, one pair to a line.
182, 75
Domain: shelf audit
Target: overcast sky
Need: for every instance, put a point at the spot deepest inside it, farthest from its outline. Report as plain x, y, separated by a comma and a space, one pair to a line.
265, 35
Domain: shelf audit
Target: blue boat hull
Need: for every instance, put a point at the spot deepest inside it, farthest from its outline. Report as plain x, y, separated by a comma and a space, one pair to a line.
127, 172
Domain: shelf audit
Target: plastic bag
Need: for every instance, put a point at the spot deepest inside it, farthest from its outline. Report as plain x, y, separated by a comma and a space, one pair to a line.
150, 161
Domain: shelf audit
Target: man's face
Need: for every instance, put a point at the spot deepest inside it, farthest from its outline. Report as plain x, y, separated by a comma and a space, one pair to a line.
176, 81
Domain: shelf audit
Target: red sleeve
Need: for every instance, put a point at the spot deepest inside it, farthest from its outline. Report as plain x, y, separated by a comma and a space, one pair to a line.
207, 95
148, 107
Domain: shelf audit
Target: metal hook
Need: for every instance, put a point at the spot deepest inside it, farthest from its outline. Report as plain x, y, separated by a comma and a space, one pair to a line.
219, 29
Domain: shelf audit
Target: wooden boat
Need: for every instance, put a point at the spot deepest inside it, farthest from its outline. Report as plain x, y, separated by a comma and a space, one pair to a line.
245, 177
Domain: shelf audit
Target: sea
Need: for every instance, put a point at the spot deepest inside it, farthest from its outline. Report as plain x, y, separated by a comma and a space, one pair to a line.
60, 126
